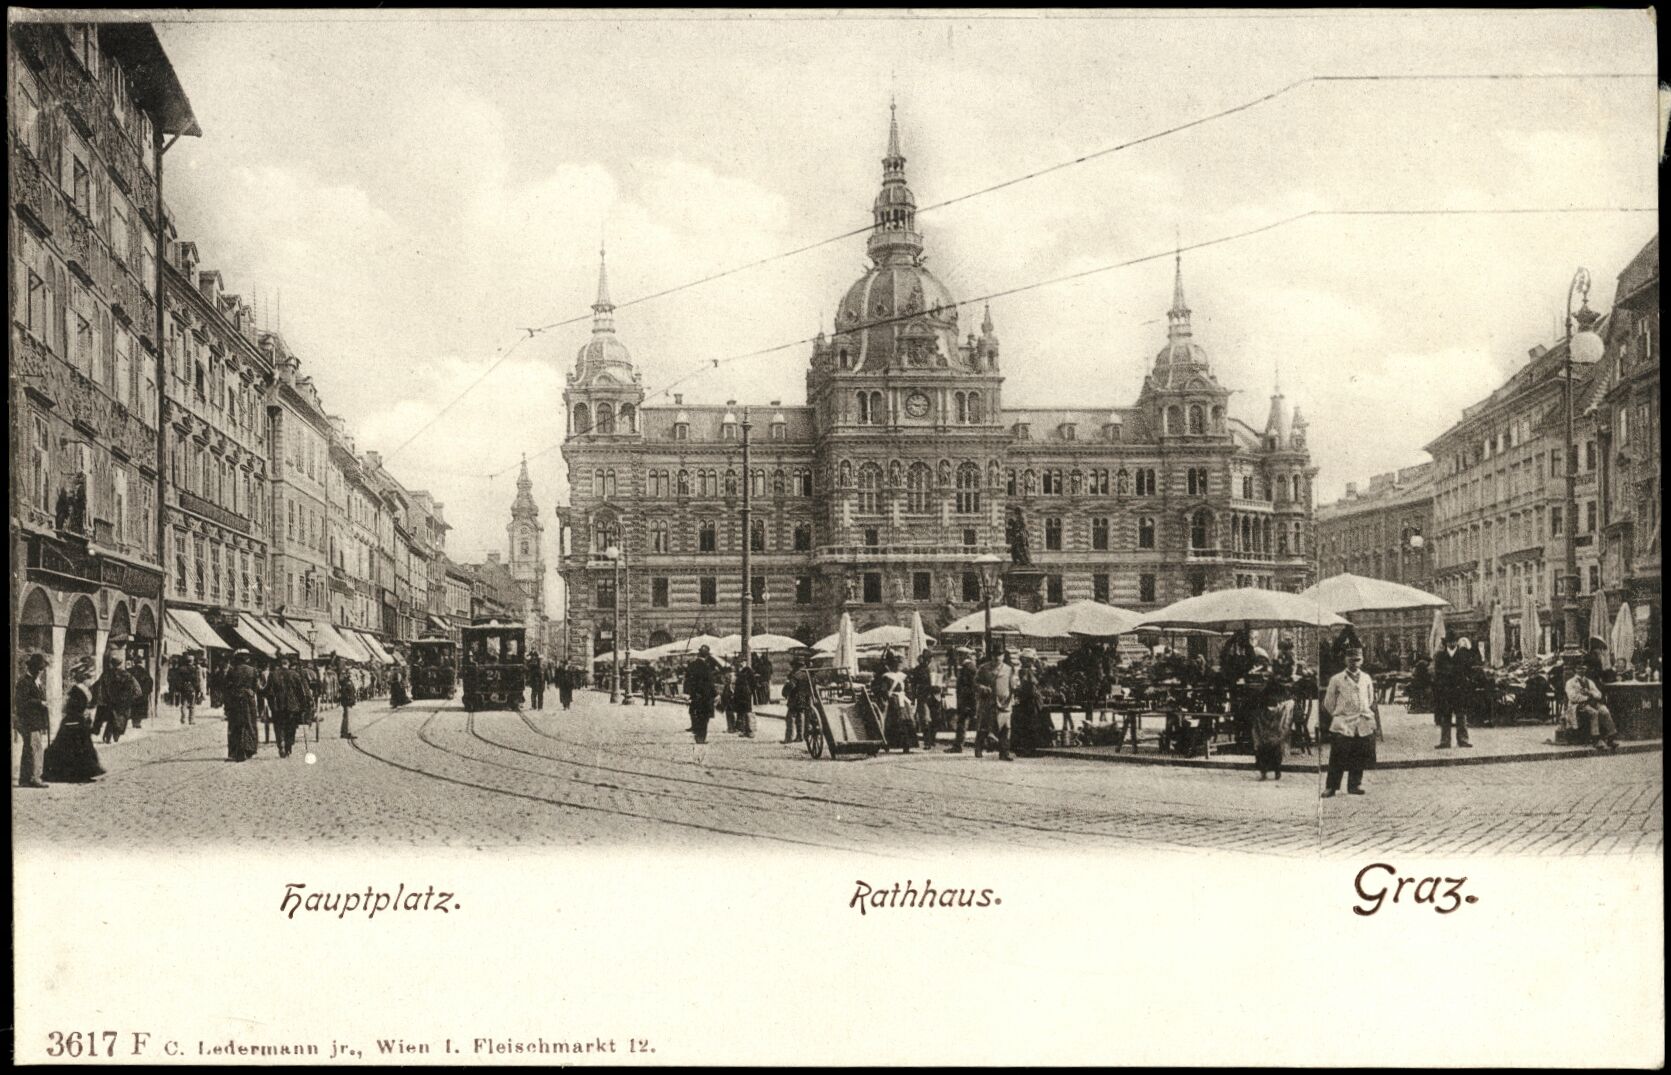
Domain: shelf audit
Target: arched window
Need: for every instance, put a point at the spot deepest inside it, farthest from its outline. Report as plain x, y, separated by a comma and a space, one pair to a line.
582, 420
706, 540
968, 489
1200, 530
845, 359
878, 415
1145, 532
606, 418
870, 482
1197, 419
961, 403
974, 407
864, 408
759, 483
919, 482
597, 482
658, 536
1174, 420
609, 484
1218, 419
703, 483
628, 417
803, 482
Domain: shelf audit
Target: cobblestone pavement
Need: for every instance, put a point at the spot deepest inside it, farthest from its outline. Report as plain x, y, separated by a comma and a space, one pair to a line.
432, 775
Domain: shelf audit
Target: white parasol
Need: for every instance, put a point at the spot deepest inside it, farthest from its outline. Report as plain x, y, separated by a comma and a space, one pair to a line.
1088, 619
1355, 593
1005, 620
919, 641
1249, 607
1497, 635
1436, 633
846, 651
1623, 641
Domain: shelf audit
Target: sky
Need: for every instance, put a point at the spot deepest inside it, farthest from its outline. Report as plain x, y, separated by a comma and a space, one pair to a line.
417, 189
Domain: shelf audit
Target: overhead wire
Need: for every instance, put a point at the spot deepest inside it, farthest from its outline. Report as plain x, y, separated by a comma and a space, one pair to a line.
504, 353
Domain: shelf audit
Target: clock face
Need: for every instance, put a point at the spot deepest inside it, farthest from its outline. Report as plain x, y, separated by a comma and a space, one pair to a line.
916, 404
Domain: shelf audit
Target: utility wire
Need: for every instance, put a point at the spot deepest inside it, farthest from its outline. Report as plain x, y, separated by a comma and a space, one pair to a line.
1037, 173
710, 364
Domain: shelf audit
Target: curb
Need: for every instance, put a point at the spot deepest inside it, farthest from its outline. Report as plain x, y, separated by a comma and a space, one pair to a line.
1409, 763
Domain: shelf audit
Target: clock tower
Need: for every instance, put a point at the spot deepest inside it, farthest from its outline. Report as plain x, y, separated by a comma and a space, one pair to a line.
527, 559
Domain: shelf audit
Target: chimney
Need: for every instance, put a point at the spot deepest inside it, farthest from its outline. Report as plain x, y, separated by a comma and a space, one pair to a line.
1351, 490
678, 398
777, 403
208, 282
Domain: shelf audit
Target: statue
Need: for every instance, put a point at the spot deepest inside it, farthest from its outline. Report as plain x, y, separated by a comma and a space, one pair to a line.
852, 588
1015, 530
1122, 483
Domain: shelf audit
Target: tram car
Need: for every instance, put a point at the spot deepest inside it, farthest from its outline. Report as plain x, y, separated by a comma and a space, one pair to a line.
494, 665
434, 666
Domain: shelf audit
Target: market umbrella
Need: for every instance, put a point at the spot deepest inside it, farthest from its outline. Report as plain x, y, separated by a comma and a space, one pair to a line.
846, 650
768, 643
1498, 635
827, 644
729, 646
687, 646
1005, 620
1088, 619
887, 635
920, 641
1355, 593
1598, 616
1436, 633
1623, 642
1249, 607
1531, 633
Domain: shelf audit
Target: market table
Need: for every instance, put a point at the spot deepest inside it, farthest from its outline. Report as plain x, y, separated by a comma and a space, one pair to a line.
1638, 709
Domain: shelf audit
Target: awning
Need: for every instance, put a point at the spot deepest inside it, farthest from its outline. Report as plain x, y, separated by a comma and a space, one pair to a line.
174, 640
195, 628
291, 636
249, 638
270, 633
333, 643
441, 625
377, 648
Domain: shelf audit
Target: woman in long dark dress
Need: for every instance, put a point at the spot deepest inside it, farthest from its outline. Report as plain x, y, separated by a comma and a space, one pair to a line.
1027, 720
71, 757
397, 687
243, 738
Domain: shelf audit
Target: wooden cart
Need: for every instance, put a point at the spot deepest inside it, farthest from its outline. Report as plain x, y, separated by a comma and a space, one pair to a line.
843, 728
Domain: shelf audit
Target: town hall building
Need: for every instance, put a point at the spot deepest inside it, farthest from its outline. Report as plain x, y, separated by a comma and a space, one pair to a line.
904, 465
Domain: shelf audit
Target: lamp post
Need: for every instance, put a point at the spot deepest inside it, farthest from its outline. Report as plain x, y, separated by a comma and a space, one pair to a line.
1410, 545
1587, 347
624, 597
614, 554
989, 565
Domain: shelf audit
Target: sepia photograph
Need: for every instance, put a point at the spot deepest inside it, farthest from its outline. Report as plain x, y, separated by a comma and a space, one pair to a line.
764, 503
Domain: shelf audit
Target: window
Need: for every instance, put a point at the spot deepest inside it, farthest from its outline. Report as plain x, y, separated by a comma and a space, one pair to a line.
1589, 455
1247, 487
1053, 533
1099, 483
870, 482
179, 563
968, 489
1146, 588
1196, 481
1555, 522
803, 480
803, 537
1595, 578
975, 414
681, 431
658, 537
1053, 589
1146, 532
705, 538
873, 587
1198, 583
1099, 533
969, 537
119, 227
803, 589
1099, 587
708, 591
1197, 419
971, 586
119, 503
30, 129
873, 537
1589, 516
922, 585
606, 418
757, 589
1200, 530
919, 484
757, 535
1146, 481
1053, 483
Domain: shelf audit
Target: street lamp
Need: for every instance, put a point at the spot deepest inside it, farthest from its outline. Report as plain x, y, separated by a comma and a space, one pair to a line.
989, 565
1587, 347
613, 554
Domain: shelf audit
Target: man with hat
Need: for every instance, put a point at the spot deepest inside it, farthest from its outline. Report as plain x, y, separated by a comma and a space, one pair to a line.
701, 687
995, 688
1352, 710
742, 696
966, 697
925, 699
238, 692
289, 696
796, 700
31, 721
116, 692
1450, 680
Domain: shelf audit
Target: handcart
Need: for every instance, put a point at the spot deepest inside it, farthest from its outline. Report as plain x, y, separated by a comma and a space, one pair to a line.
843, 728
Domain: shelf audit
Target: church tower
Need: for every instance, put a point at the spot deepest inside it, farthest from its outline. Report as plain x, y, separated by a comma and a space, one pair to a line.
527, 559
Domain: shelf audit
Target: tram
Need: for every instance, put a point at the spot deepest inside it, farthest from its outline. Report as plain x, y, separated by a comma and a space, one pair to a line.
434, 667
494, 665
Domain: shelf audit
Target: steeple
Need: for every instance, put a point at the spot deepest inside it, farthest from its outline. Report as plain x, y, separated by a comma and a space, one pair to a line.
986, 322
1177, 318
894, 239
523, 506
603, 310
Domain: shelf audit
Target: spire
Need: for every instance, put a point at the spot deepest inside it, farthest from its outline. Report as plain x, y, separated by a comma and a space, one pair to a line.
986, 322
894, 238
523, 508
603, 309
1177, 318
522, 479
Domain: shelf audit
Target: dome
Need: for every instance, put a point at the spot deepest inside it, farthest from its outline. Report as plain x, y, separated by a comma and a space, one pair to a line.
917, 315
603, 349
1184, 352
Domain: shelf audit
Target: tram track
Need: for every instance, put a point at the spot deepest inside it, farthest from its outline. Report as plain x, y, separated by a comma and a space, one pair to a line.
564, 803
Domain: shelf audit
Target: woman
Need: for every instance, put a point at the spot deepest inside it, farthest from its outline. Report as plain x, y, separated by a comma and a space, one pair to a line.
346, 697
397, 687
899, 731
1025, 733
565, 684
71, 757
238, 690
1268, 723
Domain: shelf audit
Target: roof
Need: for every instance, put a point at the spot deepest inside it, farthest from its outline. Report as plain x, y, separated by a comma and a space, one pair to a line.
1534, 374
155, 86
1641, 275
706, 420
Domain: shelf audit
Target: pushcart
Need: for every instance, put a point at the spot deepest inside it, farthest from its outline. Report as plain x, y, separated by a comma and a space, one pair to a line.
842, 728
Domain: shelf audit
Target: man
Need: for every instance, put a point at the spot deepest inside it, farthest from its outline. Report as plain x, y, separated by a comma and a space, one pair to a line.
925, 698
647, 683
536, 681
762, 679
31, 721
287, 697
796, 701
1350, 701
142, 701
967, 693
346, 697
565, 683
742, 697
115, 693
995, 690
1590, 708
701, 687
1450, 679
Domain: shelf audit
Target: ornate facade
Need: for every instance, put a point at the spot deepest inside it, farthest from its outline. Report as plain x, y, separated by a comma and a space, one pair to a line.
1381, 532
905, 464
